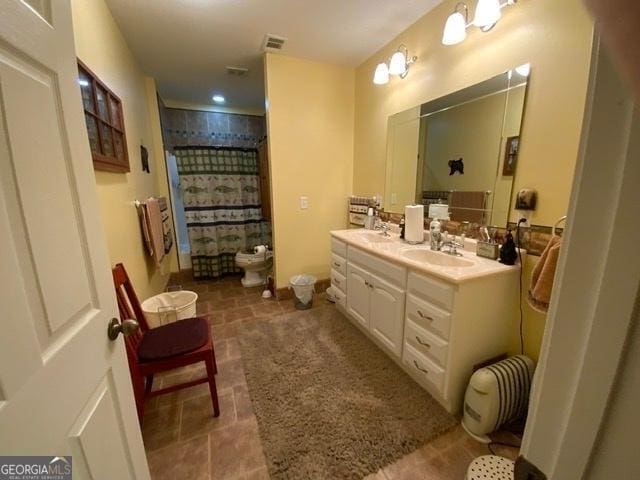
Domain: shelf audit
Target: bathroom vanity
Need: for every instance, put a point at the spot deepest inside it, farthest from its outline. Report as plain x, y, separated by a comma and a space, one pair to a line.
438, 316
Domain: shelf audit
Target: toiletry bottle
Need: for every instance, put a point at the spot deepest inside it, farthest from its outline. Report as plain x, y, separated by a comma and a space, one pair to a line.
402, 228
435, 236
369, 221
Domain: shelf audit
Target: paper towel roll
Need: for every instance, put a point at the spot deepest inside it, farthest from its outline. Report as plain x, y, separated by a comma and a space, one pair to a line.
260, 249
414, 223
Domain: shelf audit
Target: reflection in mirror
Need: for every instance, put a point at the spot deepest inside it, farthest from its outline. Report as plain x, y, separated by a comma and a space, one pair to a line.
459, 150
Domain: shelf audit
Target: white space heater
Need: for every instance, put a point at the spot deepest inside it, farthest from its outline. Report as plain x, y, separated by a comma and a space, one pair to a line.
497, 394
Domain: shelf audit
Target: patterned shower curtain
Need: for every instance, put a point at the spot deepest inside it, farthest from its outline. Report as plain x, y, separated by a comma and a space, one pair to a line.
221, 195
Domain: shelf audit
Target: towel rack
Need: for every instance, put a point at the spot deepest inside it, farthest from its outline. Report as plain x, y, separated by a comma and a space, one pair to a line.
560, 220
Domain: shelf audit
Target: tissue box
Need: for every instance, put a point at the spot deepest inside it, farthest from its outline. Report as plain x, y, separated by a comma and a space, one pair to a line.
488, 250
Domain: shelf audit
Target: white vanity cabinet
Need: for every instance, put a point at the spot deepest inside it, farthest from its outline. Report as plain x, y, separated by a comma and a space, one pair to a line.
436, 330
377, 306
375, 295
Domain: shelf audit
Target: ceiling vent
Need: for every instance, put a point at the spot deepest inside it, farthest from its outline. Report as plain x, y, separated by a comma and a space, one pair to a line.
237, 71
273, 43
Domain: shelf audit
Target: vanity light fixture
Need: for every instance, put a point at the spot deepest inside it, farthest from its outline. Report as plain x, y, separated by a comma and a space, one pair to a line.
398, 65
381, 75
487, 14
455, 30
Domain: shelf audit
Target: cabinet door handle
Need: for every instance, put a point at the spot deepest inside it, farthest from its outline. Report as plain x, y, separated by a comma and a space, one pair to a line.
421, 342
336, 264
422, 315
336, 281
420, 368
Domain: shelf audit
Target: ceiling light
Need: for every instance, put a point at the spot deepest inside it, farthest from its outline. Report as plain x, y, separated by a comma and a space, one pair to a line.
455, 30
524, 69
381, 76
218, 99
487, 14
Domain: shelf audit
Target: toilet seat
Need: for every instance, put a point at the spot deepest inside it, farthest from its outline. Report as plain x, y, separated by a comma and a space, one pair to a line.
250, 257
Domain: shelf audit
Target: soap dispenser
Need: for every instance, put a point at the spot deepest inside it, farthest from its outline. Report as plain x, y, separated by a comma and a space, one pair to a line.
435, 235
402, 225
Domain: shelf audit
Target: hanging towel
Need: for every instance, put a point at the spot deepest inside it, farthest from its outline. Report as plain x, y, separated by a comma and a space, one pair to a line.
144, 227
543, 274
156, 232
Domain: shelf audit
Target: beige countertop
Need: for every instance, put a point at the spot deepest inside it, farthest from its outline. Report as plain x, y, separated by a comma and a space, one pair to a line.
392, 249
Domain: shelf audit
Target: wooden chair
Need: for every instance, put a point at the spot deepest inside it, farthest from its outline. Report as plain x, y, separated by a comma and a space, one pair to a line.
169, 346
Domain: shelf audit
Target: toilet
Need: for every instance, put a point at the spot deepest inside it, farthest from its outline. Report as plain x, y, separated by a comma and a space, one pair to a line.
255, 266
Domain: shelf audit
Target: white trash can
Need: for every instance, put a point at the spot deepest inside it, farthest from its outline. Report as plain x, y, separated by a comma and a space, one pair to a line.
169, 307
303, 286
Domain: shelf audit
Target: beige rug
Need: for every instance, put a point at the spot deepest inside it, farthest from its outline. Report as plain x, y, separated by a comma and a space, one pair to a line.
329, 403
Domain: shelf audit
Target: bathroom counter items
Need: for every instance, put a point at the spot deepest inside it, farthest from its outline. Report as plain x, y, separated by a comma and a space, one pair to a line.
421, 258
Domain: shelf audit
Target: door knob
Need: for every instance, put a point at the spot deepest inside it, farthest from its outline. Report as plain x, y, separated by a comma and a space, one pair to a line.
126, 327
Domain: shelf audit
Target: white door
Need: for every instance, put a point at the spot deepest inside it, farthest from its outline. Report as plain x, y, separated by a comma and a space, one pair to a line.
387, 314
358, 294
64, 387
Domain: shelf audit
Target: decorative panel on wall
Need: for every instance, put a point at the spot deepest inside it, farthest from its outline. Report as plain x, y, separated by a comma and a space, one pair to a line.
199, 128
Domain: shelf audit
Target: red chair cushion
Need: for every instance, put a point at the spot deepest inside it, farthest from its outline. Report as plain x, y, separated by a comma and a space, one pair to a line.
173, 339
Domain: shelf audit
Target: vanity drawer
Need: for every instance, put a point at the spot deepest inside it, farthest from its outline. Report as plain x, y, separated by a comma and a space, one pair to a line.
341, 297
432, 290
426, 343
338, 247
426, 370
338, 281
428, 316
339, 264
394, 274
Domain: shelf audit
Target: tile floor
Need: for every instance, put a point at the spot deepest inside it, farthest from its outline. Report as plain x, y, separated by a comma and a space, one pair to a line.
184, 441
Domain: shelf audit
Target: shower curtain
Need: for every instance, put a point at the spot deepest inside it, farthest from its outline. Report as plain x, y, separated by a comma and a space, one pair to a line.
221, 194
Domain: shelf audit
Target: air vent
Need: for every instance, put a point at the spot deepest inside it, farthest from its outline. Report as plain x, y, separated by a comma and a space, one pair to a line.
273, 43
237, 71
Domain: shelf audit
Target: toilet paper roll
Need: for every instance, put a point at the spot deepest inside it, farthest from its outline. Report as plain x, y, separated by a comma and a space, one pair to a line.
260, 249
414, 223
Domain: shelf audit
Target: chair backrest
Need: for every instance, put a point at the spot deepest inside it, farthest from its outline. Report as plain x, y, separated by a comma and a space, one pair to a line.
129, 307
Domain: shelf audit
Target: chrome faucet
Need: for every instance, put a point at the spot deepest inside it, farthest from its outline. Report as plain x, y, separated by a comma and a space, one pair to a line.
384, 226
453, 247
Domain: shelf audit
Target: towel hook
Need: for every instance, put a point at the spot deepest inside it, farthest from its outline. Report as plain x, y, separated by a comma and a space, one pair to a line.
560, 220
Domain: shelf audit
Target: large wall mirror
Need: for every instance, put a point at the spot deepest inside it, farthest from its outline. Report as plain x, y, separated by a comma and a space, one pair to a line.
460, 150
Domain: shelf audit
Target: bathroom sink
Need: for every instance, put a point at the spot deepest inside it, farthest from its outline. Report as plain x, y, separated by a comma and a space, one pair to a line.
434, 258
373, 237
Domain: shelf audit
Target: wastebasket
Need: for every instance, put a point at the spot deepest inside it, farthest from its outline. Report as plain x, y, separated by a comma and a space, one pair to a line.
303, 286
168, 307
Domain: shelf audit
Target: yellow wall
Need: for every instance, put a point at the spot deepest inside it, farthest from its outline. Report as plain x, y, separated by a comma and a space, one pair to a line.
554, 36
100, 45
310, 123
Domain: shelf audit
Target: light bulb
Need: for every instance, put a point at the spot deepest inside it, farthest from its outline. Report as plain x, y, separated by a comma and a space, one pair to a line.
381, 75
218, 99
455, 30
398, 64
487, 13
524, 69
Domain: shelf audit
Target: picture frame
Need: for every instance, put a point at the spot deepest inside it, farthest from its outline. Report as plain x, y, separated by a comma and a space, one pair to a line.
512, 147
